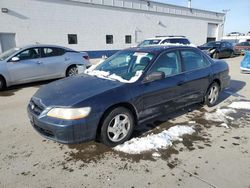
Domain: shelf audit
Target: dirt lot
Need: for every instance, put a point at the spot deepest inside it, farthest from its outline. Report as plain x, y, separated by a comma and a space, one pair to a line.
215, 156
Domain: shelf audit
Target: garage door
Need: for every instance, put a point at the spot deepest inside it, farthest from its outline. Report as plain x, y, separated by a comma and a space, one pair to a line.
7, 41
212, 32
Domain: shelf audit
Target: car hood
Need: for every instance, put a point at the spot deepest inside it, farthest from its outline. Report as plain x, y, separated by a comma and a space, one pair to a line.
72, 90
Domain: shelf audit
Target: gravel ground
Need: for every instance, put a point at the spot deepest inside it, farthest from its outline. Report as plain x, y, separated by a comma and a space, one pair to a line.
214, 157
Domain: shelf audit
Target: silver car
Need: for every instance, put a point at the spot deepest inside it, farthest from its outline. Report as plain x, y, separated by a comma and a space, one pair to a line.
39, 62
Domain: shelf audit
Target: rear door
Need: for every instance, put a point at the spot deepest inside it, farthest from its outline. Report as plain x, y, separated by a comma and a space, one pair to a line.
224, 50
198, 75
163, 95
28, 68
53, 61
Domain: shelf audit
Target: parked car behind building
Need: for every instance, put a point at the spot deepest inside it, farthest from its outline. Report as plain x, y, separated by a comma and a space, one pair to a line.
218, 49
39, 62
132, 86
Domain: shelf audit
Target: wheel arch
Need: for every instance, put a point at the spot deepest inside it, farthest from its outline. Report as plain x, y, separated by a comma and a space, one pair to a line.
5, 82
126, 105
68, 67
216, 80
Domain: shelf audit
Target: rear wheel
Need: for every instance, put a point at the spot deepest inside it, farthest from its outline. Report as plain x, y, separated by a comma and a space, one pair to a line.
2, 83
117, 127
232, 54
72, 71
212, 95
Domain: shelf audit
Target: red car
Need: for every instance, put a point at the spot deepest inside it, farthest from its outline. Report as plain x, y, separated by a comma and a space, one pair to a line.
240, 48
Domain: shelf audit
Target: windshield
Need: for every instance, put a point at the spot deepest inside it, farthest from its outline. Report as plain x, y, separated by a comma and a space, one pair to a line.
149, 42
124, 66
8, 53
176, 41
211, 44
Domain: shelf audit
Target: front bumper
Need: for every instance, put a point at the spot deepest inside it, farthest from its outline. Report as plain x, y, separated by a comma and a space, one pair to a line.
245, 70
63, 131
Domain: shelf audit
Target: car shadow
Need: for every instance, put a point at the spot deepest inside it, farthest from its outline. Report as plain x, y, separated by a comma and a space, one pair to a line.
13, 89
232, 90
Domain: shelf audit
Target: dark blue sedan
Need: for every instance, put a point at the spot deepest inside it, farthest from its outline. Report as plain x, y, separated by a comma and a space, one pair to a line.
132, 86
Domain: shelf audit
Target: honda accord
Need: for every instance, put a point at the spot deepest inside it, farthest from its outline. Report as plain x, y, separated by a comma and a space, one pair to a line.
130, 87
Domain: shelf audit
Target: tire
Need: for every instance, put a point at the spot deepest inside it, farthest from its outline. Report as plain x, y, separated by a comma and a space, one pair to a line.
212, 95
2, 83
231, 54
216, 55
117, 127
72, 71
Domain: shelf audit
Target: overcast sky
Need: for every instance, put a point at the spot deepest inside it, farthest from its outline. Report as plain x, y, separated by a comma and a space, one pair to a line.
238, 18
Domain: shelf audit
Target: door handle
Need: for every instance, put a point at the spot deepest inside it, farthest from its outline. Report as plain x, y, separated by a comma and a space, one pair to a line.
39, 62
67, 58
180, 83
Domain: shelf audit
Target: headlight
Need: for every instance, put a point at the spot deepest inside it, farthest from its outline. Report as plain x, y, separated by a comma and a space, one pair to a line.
69, 113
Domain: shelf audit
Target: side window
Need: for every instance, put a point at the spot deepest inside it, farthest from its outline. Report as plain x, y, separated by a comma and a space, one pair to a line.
228, 45
167, 63
50, 52
165, 41
223, 45
31, 53
193, 60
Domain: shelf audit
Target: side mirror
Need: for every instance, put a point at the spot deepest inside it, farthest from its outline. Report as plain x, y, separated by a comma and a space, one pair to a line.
15, 59
154, 76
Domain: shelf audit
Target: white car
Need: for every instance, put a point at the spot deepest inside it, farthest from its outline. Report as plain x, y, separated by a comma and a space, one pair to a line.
40, 62
166, 40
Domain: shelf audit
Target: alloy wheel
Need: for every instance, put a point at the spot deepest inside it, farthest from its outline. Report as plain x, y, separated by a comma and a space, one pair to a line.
72, 71
213, 94
118, 127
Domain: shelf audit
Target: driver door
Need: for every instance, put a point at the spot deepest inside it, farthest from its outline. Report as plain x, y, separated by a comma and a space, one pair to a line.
28, 68
162, 96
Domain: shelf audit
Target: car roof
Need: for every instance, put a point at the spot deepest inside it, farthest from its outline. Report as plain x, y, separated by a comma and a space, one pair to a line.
166, 37
44, 45
158, 48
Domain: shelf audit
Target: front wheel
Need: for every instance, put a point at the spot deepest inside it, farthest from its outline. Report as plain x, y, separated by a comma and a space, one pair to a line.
72, 71
117, 127
212, 95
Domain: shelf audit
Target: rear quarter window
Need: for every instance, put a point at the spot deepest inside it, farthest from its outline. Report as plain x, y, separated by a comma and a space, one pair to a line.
193, 60
51, 52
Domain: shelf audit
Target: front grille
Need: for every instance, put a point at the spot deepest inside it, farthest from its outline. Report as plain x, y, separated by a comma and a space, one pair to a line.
36, 107
44, 132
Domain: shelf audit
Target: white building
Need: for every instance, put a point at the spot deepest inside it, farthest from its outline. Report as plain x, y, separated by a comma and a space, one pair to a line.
92, 25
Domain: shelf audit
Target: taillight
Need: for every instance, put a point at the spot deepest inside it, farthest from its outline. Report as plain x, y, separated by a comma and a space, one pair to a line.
86, 57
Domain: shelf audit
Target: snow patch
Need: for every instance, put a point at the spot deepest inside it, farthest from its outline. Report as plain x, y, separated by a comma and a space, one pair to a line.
107, 75
156, 154
155, 141
224, 125
240, 105
221, 115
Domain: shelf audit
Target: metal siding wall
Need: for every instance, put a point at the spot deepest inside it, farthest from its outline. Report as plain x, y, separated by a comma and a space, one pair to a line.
50, 21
